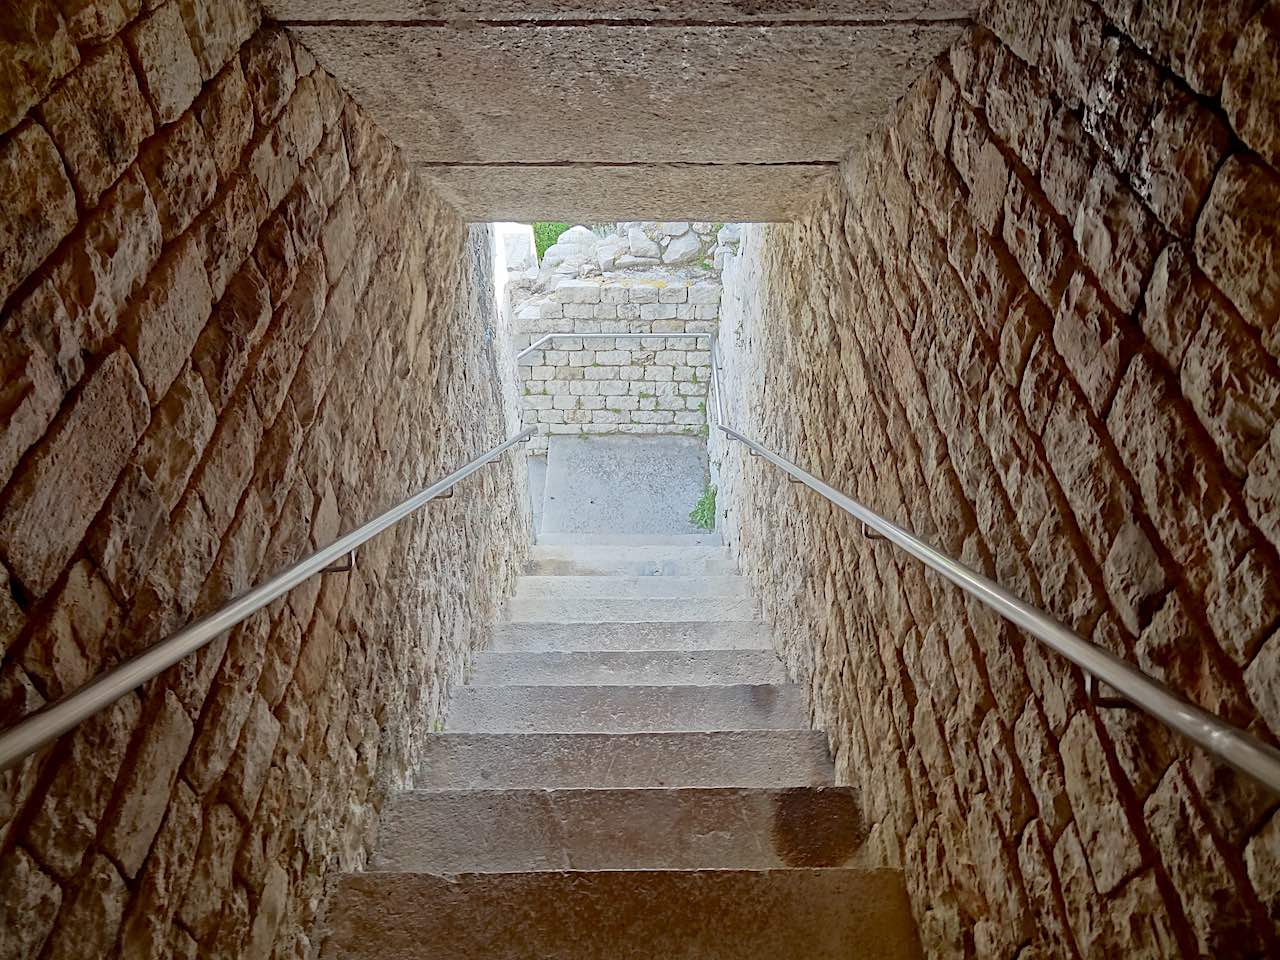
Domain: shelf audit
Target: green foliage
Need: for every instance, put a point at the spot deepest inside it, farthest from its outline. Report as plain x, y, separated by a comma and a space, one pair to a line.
545, 234
703, 514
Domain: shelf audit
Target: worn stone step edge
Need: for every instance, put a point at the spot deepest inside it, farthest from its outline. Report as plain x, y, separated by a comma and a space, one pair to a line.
752, 758
537, 635
574, 609
724, 828
625, 668
613, 587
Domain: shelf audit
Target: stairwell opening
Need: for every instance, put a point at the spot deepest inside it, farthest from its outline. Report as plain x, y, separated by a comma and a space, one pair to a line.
1009, 280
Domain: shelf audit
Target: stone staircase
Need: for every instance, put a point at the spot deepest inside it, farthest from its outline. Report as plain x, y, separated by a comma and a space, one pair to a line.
627, 774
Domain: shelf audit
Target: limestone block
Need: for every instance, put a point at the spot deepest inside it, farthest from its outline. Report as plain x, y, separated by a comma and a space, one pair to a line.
542, 373
668, 326
169, 71
682, 249
580, 358
685, 311
612, 388
613, 293
577, 292
1251, 89
580, 311
659, 373
585, 326
658, 311
228, 231
705, 312
585, 388
29, 907
98, 117
605, 311
704, 293
66, 481
640, 246
652, 416
270, 72
690, 419
643, 293
180, 173
33, 383
37, 204
674, 293
211, 878
217, 29
612, 358
601, 373
626, 262
1238, 241
39, 49
167, 317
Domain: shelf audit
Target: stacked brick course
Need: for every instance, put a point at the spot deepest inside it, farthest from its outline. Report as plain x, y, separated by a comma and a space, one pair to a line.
234, 325
1044, 333
651, 385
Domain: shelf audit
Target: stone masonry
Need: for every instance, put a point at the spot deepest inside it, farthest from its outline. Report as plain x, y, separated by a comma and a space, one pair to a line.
648, 385
1043, 331
233, 326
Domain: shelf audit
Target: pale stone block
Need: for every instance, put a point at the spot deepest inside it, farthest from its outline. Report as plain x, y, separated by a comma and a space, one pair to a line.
591, 403
601, 373
579, 311
557, 387
610, 416
644, 293
614, 326
631, 372
564, 428
614, 294
622, 403
628, 311
577, 416
551, 416
701, 326
606, 311
701, 312
675, 404
691, 389
668, 326
582, 358
673, 294
654, 343
551, 311
682, 343
587, 326
666, 388
577, 291
542, 402
535, 359
647, 403
652, 416
694, 403
670, 358
556, 358
658, 311
703, 293
584, 388
612, 358
575, 373
564, 402
699, 358
659, 373
612, 388
569, 344
542, 373
691, 419
685, 311
683, 373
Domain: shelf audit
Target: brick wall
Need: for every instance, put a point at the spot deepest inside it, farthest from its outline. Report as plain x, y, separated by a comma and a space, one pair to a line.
232, 328
1038, 324
651, 385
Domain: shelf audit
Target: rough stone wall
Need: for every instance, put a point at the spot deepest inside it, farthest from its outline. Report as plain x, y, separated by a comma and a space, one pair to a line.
647, 385
232, 328
1038, 324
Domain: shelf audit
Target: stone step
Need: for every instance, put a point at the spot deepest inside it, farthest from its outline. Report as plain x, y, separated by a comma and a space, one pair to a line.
796, 914
640, 561
504, 831
558, 761
627, 709
631, 539
673, 635
569, 589
631, 668
564, 607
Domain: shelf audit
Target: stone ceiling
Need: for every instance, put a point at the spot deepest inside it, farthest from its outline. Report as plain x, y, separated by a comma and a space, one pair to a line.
565, 109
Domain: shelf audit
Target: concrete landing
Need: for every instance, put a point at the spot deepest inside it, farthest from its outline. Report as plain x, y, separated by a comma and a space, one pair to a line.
559, 761
790, 914
725, 828
623, 485
651, 560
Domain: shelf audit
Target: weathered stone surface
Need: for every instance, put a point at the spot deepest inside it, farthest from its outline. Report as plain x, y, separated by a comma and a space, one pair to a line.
98, 143
36, 51
68, 477
167, 317
107, 261
1238, 239
217, 28
180, 173
211, 877
31, 396
1251, 89
130, 532
69, 646
37, 206
270, 70
181, 426
145, 789
29, 910
163, 881
226, 117
169, 72
88, 925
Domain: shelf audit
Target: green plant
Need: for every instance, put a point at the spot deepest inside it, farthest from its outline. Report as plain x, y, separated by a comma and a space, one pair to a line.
706, 264
545, 234
703, 514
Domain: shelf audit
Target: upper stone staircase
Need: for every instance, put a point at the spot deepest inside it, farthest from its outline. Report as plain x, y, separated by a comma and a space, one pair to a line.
626, 774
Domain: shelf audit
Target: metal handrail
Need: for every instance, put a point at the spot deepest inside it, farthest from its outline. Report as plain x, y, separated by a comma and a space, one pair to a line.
54, 719
1211, 733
